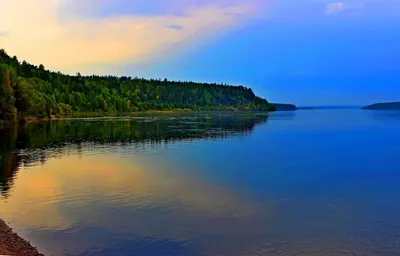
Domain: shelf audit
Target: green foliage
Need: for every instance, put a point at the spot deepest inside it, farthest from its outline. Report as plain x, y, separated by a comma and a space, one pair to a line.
26, 89
7, 100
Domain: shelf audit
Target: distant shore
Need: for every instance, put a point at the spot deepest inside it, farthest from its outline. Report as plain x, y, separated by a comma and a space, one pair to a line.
12, 244
383, 106
284, 107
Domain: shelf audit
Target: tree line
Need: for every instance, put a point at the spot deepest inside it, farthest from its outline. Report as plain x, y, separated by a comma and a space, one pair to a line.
29, 90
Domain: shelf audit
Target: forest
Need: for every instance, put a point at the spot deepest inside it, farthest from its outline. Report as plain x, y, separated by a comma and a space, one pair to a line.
27, 90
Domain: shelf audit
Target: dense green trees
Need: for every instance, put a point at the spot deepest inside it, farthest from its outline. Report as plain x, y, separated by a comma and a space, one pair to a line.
27, 89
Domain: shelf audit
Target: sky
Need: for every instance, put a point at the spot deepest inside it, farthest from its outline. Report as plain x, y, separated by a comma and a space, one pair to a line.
306, 52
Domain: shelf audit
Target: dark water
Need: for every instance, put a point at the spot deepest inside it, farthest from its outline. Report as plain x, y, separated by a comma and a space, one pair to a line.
317, 182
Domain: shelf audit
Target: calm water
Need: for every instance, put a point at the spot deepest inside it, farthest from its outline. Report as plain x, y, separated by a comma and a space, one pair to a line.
317, 182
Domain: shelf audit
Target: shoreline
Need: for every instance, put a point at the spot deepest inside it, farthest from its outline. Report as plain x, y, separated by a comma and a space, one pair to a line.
33, 119
12, 244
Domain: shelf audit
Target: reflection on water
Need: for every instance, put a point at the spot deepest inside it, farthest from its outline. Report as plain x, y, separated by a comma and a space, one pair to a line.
35, 143
384, 115
309, 183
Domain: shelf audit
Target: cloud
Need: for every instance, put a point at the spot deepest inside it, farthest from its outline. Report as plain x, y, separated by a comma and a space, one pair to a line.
177, 27
336, 7
40, 35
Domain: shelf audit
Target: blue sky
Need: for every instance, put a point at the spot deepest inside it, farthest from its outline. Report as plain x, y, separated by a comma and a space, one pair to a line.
309, 52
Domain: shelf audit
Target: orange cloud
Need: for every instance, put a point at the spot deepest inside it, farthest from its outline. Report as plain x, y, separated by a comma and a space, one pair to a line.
36, 33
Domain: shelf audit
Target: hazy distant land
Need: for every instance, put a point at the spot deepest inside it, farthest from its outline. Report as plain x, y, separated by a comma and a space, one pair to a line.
383, 106
284, 107
327, 107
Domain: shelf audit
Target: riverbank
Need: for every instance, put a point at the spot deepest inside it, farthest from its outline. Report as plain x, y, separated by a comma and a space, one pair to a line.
32, 119
12, 244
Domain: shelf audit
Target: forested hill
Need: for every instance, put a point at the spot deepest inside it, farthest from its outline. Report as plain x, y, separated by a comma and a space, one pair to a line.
29, 90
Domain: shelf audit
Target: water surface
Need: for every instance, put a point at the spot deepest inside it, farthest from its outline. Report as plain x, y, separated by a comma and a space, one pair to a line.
311, 182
